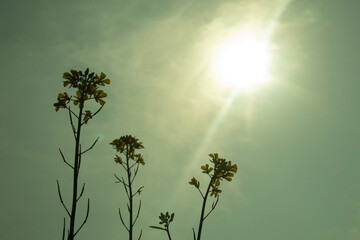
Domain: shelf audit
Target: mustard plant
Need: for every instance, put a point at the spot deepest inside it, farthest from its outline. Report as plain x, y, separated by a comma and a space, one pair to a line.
87, 88
165, 219
221, 169
127, 145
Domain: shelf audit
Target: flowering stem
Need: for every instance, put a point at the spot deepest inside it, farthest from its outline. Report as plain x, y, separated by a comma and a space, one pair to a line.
203, 210
75, 177
130, 195
168, 232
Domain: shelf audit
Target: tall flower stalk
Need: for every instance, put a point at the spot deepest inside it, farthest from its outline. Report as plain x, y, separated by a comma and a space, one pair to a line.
127, 145
86, 86
220, 170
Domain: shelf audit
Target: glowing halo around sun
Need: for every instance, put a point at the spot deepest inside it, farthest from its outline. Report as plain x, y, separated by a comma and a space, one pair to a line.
241, 62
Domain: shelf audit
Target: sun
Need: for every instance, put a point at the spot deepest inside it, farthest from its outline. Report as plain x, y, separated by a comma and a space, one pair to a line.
241, 62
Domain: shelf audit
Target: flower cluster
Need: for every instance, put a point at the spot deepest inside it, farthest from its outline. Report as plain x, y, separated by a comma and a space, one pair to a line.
221, 169
194, 182
128, 144
87, 85
166, 218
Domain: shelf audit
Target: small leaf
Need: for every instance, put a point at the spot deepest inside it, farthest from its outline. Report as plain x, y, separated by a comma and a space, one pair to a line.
156, 227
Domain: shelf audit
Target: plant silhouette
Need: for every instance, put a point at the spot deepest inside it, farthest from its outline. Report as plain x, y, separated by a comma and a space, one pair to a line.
87, 87
127, 145
165, 219
221, 169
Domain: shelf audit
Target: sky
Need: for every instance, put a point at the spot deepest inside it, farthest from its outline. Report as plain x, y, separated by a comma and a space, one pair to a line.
295, 139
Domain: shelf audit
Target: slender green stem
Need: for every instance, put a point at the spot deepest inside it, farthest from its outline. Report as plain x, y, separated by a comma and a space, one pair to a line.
75, 178
130, 195
203, 210
168, 232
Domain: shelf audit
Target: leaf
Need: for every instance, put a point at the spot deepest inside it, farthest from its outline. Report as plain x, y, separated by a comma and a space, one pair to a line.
156, 227
107, 81
87, 71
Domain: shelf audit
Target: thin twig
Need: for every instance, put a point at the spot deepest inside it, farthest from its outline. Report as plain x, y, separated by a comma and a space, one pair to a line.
91, 146
135, 173
61, 200
122, 221
93, 115
72, 123
138, 191
62, 155
98, 110
124, 184
123, 165
201, 193
133, 165
82, 191
73, 113
63, 235
140, 234
194, 234
212, 206
137, 215
119, 180
86, 217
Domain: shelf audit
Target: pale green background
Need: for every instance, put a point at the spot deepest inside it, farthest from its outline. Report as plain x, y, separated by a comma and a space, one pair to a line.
295, 139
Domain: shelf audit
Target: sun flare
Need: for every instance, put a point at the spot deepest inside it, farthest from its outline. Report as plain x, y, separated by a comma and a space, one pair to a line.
241, 62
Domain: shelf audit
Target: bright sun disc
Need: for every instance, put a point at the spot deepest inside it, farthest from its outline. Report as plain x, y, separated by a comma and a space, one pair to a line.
241, 63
